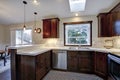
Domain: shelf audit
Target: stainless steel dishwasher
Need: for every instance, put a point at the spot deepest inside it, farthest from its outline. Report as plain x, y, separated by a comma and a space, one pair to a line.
59, 59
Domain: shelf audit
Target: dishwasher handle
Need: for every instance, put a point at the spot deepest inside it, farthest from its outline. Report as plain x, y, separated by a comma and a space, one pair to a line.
59, 51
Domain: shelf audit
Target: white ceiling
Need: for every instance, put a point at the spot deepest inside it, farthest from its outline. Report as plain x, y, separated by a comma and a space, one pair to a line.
11, 11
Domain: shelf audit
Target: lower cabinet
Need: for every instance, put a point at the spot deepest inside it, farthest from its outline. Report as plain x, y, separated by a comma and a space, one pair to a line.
36, 67
85, 62
33, 67
72, 61
80, 61
88, 62
43, 65
101, 67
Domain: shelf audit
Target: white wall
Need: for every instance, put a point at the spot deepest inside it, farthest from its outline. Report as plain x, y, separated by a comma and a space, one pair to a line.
77, 19
37, 38
3, 34
60, 41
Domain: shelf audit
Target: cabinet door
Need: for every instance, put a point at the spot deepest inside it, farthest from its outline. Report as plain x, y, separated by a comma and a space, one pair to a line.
26, 69
109, 25
102, 25
51, 28
101, 64
54, 28
40, 66
48, 61
85, 61
72, 61
46, 28
116, 23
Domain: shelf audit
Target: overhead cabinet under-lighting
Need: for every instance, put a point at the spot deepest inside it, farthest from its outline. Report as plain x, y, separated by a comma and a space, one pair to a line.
77, 5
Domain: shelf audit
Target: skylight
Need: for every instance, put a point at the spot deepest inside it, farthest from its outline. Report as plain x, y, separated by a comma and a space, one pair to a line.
77, 5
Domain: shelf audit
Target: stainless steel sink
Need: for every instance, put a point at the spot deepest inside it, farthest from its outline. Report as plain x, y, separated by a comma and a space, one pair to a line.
79, 48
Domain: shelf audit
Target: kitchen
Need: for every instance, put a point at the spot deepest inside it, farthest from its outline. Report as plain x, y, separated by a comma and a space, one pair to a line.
56, 43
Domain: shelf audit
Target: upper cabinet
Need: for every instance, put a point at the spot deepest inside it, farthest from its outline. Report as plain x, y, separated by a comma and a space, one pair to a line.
105, 28
51, 28
116, 23
109, 23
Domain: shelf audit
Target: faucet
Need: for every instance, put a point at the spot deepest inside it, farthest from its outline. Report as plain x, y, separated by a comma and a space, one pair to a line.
79, 46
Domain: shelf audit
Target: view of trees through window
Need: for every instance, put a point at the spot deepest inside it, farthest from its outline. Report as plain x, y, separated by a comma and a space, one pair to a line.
78, 33
23, 36
77, 37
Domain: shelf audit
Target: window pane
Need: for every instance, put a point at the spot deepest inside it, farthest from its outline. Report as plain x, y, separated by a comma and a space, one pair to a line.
78, 33
27, 36
18, 36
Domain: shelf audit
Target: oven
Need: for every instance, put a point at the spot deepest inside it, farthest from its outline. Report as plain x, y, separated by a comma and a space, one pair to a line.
114, 66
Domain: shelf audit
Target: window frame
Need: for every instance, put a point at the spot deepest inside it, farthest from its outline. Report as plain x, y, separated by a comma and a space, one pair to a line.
22, 36
72, 23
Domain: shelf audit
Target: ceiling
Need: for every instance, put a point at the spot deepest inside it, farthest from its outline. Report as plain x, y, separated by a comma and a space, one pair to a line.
11, 11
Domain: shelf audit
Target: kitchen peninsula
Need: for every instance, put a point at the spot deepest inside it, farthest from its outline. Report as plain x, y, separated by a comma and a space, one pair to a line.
34, 62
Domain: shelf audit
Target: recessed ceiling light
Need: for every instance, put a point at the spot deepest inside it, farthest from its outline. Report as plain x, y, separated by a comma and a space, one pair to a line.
35, 2
77, 5
76, 14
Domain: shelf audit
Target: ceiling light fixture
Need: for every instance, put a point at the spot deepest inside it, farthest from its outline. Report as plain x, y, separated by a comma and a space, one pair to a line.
77, 5
36, 30
24, 27
35, 13
76, 14
35, 2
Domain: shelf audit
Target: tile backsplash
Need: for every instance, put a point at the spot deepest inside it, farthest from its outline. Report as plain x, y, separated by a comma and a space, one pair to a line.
96, 42
116, 42
101, 42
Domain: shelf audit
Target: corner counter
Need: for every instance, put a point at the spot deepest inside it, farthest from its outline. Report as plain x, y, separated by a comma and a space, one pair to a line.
33, 56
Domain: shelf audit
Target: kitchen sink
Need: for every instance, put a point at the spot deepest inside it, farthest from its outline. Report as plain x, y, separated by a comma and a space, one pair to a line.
79, 48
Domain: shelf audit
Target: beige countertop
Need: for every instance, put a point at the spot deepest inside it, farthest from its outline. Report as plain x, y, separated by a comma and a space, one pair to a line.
32, 52
37, 49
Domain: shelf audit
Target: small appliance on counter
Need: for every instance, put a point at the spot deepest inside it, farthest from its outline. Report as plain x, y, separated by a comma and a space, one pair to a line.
108, 43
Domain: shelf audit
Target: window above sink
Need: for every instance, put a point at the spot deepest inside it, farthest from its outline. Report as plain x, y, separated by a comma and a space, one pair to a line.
78, 33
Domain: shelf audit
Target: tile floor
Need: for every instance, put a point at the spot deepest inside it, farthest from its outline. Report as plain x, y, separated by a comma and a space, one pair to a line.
57, 75
60, 75
5, 75
6, 67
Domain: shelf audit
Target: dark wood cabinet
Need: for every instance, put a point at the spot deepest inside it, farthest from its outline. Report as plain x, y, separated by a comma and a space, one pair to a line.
100, 63
72, 61
85, 61
105, 28
48, 61
43, 65
116, 23
116, 8
107, 23
46, 28
33, 67
40, 66
80, 61
51, 28
102, 24
26, 67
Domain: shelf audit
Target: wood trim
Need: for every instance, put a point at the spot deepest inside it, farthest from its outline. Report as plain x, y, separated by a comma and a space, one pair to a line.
13, 64
51, 18
114, 7
102, 14
79, 23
